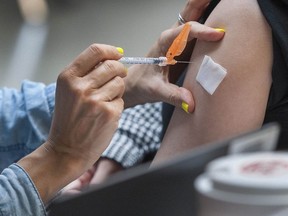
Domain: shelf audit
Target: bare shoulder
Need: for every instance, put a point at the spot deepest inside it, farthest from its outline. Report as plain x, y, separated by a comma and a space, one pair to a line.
239, 103
247, 32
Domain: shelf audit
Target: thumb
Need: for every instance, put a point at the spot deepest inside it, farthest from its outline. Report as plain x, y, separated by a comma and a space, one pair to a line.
178, 97
197, 30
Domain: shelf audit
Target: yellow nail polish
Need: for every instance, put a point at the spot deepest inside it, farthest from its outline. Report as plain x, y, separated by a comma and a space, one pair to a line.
219, 29
120, 50
185, 107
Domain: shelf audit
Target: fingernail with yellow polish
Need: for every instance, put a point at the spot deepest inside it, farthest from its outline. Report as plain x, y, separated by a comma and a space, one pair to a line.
219, 29
120, 50
185, 107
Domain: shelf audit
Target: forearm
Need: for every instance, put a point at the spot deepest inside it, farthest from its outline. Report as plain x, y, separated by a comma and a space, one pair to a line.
50, 171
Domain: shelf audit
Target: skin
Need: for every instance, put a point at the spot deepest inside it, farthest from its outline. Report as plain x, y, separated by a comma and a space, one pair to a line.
85, 121
101, 171
239, 103
87, 109
154, 83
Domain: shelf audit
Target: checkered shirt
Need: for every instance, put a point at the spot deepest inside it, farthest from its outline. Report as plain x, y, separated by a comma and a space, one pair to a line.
137, 136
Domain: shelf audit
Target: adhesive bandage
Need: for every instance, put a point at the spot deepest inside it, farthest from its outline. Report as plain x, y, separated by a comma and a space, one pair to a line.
210, 74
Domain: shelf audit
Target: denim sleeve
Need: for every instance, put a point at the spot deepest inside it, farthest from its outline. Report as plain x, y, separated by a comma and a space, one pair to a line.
25, 119
18, 195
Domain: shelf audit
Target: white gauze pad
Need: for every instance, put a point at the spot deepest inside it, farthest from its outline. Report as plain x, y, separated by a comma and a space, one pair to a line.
210, 74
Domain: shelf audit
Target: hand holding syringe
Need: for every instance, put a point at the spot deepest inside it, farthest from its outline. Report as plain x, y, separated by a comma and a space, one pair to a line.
175, 49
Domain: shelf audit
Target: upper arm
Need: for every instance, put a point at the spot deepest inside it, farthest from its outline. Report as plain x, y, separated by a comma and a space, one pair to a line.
238, 104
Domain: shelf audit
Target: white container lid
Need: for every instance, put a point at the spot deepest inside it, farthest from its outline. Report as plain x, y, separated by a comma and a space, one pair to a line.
259, 175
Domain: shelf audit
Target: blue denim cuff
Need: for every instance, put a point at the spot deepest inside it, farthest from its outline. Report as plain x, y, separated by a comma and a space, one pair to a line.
18, 194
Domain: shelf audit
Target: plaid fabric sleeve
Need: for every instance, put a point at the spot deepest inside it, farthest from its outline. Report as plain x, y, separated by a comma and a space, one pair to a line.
137, 136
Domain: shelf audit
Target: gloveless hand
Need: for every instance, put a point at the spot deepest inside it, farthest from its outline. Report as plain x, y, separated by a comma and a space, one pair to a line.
146, 83
88, 104
87, 109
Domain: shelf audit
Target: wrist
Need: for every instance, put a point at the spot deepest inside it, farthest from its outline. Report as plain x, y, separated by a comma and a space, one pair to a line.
129, 96
138, 89
50, 171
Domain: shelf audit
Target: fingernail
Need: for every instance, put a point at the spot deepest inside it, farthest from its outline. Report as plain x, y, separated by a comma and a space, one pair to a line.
185, 107
219, 29
126, 70
120, 50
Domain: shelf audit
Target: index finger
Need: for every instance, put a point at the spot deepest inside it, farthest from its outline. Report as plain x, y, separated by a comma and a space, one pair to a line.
92, 56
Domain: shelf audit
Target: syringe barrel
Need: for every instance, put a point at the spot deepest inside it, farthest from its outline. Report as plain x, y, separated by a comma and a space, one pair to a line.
142, 60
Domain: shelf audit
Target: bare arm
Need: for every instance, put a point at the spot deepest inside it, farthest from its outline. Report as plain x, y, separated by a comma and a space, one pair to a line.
239, 103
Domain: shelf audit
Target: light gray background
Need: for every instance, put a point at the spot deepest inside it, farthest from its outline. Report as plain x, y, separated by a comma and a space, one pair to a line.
43, 52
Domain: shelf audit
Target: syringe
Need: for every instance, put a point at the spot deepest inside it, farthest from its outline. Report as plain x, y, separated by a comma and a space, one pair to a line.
161, 61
